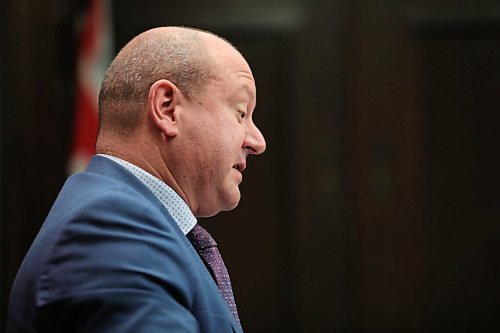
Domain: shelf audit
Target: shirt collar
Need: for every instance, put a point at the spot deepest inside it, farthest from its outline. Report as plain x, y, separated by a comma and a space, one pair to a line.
172, 202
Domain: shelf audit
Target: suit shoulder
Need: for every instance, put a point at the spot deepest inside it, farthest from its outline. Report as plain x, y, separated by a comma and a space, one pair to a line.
99, 197
109, 235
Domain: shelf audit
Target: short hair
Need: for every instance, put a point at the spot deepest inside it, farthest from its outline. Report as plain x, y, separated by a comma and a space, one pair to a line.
173, 53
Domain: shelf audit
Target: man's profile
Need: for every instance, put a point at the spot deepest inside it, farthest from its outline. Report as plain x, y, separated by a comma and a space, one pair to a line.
121, 250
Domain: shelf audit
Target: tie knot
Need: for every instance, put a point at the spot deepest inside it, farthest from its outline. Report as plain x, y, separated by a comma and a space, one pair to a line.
200, 238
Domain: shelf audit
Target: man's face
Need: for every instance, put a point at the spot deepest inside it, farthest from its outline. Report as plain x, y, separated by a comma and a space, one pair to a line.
220, 137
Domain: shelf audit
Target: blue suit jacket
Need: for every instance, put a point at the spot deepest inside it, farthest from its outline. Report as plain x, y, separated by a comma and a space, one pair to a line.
110, 258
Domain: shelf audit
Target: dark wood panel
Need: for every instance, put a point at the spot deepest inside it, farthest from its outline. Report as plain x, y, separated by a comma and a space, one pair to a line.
462, 122
423, 101
382, 153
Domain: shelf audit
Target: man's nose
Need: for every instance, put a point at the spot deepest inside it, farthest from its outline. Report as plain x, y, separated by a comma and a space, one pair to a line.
254, 141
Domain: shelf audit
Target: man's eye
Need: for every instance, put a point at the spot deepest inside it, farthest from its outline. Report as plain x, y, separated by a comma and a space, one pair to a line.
242, 114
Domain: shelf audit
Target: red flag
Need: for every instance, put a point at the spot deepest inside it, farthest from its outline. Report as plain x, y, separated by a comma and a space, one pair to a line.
95, 52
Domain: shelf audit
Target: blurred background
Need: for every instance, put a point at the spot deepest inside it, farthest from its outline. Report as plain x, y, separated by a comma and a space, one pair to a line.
376, 207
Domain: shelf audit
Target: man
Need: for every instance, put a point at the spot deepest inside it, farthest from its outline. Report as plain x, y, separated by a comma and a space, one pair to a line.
120, 250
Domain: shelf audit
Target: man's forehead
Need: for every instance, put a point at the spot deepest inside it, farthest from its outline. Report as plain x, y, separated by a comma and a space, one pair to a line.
250, 90
243, 88
231, 67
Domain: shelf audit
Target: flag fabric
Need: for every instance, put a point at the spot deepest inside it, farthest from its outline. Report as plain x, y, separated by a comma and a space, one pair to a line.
95, 51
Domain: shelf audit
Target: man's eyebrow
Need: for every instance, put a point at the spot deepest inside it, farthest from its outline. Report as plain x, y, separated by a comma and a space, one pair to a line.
250, 93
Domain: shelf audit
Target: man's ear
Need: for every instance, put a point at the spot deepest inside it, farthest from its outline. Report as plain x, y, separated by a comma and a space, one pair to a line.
163, 100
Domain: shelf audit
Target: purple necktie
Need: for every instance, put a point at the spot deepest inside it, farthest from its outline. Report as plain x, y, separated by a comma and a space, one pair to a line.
206, 247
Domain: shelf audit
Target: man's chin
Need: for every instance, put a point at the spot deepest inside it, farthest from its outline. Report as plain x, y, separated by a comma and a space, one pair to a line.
232, 201
228, 205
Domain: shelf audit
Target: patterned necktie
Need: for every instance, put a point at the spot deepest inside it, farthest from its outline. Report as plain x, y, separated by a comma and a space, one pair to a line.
206, 247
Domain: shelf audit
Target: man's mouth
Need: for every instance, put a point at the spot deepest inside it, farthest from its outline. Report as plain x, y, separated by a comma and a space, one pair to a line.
239, 166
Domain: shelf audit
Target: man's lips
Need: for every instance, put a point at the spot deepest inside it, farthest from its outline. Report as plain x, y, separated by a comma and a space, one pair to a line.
240, 166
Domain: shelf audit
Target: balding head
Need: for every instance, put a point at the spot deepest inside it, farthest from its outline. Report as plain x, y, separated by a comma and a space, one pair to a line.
173, 53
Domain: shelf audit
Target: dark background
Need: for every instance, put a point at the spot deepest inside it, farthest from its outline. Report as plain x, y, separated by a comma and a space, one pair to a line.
376, 205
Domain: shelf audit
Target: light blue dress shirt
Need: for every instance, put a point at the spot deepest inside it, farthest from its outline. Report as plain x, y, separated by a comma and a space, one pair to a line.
174, 204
